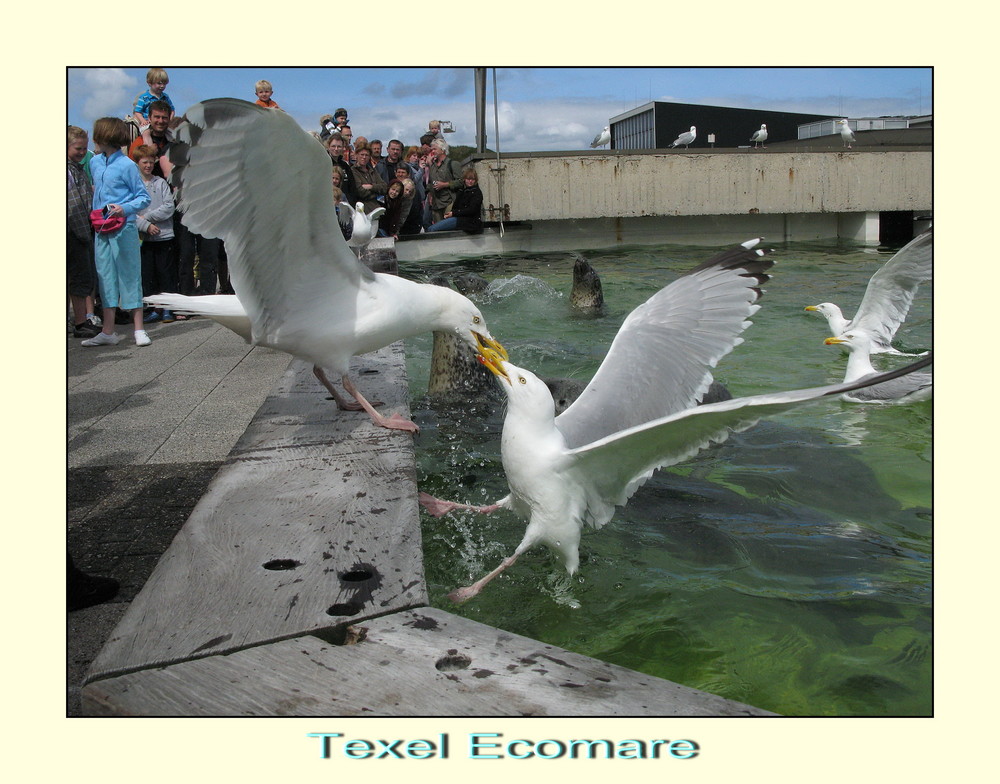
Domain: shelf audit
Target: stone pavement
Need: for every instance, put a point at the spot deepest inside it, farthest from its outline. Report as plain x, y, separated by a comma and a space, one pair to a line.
147, 430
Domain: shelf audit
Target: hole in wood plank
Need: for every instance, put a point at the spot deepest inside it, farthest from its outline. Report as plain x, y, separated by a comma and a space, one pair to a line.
280, 564
357, 575
345, 608
453, 661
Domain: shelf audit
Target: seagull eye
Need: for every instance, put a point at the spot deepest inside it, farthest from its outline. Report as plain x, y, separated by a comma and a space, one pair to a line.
476, 319
522, 379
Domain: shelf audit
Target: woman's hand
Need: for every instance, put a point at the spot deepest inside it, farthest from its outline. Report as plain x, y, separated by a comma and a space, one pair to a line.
153, 230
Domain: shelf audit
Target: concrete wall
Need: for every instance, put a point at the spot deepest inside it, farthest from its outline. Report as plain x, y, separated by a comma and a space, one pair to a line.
627, 185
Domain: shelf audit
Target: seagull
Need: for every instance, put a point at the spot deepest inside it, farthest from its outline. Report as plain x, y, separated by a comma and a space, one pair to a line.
888, 297
604, 137
364, 225
563, 479
907, 389
759, 137
846, 133
255, 179
685, 138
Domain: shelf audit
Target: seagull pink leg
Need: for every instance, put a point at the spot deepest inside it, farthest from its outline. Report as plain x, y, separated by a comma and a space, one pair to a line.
464, 594
394, 422
342, 402
438, 507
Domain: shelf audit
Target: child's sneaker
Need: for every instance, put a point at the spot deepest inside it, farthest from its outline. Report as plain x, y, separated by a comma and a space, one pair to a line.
102, 339
141, 338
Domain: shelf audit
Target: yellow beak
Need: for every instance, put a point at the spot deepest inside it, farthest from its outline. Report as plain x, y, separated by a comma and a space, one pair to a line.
494, 361
485, 344
832, 341
811, 307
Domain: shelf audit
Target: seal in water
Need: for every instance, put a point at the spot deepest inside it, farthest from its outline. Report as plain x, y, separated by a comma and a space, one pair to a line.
587, 293
470, 283
454, 367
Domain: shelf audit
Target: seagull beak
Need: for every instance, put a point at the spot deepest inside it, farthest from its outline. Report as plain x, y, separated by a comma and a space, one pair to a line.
811, 307
832, 341
487, 345
494, 361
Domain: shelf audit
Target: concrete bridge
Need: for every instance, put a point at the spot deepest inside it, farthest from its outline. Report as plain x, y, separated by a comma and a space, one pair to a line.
602, 198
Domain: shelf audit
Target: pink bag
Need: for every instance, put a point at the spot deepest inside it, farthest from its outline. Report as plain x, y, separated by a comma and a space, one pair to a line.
103, 224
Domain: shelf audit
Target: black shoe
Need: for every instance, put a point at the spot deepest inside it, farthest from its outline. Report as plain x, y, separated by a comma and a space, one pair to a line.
85, 330
87, 590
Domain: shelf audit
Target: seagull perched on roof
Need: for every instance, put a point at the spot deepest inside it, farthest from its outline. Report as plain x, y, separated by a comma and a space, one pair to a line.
255, 179
846, 133
685, 138
637, 414
759, 137
888, 297
907, 389
604, 137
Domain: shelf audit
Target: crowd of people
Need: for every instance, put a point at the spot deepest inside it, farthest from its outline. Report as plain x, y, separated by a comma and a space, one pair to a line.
125, 239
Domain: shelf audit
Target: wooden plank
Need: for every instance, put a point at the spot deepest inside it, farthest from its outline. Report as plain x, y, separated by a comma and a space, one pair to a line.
312, 523
424, 662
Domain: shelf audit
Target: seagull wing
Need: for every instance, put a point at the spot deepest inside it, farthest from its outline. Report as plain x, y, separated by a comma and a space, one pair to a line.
891, 290
225, 309
915, 386
659, 361
254, 178
613, 468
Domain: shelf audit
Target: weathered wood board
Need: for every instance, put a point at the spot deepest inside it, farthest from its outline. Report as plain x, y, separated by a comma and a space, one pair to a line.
423, 662
310, 524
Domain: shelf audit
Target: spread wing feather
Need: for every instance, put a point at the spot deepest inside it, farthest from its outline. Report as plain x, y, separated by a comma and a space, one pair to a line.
254, 178
659, 362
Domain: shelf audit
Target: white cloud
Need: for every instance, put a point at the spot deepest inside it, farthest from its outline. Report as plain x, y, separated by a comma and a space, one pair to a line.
102, 92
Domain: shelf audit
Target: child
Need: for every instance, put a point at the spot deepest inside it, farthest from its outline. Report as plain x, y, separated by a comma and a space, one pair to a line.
156, 80
118, 189
264, 92
159, 263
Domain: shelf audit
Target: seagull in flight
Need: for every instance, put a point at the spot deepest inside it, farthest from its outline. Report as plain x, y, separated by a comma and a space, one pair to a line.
888, 296
639, 413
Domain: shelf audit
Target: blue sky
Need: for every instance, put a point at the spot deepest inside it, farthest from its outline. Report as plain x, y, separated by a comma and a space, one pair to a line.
539, 108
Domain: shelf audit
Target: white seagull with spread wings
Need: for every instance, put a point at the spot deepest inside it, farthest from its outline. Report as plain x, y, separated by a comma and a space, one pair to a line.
254, 178
639, 412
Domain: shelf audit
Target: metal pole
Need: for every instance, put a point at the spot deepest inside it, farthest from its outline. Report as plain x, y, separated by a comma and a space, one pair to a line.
480, 79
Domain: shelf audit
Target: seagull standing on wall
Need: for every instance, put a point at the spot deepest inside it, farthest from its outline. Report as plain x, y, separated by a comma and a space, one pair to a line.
685, 138
604, 137
759, 137
255, 179
846, 133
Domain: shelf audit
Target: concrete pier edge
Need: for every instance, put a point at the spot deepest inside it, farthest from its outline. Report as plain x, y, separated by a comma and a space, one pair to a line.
310, 493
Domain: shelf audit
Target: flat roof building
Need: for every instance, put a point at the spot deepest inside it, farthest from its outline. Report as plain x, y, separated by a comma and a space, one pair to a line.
656, 124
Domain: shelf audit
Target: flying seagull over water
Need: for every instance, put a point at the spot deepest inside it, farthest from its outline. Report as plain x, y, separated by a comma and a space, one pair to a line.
759, 137
685, 138
846, 133
888, 297
604, 137
255, 179
638, 414
907, 389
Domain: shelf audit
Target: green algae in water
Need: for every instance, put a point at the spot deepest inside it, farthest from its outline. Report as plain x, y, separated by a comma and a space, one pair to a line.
789, 568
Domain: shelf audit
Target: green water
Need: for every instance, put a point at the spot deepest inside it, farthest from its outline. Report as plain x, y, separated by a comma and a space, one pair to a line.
789, 568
